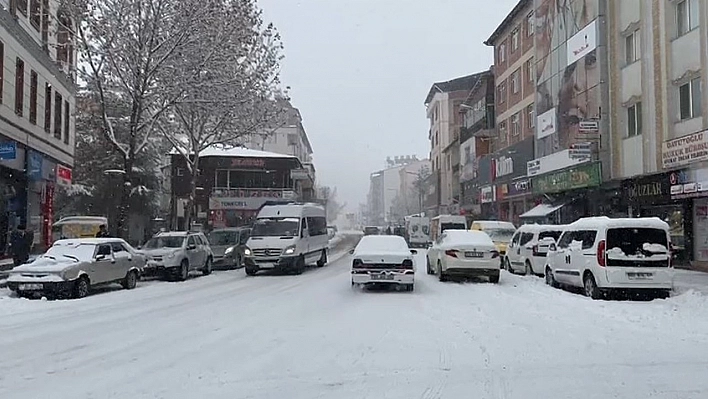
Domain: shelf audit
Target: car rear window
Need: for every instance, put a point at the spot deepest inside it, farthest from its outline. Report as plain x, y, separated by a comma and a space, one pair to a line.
632, 246
452, 226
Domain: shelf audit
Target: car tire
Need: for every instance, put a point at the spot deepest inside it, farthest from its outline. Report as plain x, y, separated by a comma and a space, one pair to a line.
528, 270
208, 267
183, 271
441, 275
130, 280
590, 287
507, 266
494, 278
299, 266
251, 272
238, 262
410, 287
82, 287
550, 280
427, 265
323, 259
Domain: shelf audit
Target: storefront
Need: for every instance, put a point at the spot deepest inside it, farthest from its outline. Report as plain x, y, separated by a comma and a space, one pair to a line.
508, 168
651, 196
573, 192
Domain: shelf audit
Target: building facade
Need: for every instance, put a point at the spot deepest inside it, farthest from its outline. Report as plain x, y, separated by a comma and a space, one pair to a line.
233, 185
37, 102
506, 193
443, 106
658, 51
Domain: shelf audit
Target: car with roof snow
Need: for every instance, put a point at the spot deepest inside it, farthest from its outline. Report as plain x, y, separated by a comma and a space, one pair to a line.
383, 260
72, 267
464, 253
603, 255
499, 231
173, 254
528, 248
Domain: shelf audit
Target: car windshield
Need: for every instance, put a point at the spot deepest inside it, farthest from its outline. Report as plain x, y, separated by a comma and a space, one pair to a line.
452, 226
500, 235
549, 234
276, 227
164, 242
223, 237
82, 252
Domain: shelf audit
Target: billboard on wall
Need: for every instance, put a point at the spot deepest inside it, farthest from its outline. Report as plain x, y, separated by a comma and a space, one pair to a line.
567, 72
467, 159
684, 150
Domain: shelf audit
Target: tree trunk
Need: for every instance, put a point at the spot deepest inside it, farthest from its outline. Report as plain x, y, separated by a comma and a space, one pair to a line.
122, 227
191, 211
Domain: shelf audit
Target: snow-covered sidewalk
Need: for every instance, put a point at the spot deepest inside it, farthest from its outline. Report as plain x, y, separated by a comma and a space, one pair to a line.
312, 336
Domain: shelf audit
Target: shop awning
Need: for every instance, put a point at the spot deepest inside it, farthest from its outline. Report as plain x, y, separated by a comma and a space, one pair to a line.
541, 210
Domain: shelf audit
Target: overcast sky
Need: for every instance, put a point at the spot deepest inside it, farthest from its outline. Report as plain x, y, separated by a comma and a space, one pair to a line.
359, 71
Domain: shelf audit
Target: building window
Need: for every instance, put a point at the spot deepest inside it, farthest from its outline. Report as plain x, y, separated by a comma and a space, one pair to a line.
33, 98
19, 86
57, 115
515, 125
530, 24
529, 71
502, 131
45, 23
67, 121
2, 68
690, 99
502, 92
633, 47
532, 116
515, 40
687, 16
502, 52
634, 120
35, 14
22, 6
515, 81
64, 48
47, 107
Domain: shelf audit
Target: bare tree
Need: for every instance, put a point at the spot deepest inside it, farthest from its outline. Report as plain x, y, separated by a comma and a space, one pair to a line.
129, 52
237, 68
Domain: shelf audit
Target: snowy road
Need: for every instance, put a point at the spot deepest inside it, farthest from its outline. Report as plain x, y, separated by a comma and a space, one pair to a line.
311, 336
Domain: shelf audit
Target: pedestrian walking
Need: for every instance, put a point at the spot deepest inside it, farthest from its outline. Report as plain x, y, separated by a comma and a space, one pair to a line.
20, 245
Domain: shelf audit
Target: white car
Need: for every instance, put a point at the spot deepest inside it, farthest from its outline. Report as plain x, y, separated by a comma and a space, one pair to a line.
527, 250
383, 260
602, 255
467, 253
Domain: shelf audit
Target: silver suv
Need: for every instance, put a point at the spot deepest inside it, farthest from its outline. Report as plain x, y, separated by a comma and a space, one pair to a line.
174, 254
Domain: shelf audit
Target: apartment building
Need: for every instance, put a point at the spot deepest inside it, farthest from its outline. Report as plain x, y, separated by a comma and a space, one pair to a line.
37, 101
659, 57
443, 111
502, 179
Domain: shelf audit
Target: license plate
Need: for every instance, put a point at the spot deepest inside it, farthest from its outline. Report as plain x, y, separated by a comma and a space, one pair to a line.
640, 276
382, 276
266, 265
474, 254
28, 287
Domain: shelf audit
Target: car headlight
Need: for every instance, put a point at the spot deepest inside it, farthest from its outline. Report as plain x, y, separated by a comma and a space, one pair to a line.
228, 250
289, 250
247, 252
170, 255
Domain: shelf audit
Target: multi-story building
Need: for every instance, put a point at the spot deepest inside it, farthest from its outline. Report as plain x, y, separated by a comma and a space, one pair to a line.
443, 110
658, 60
37, 100
504, 191
412, 189
288, 137
384, 188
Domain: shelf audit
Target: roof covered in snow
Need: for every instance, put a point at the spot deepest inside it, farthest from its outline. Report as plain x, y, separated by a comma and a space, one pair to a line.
600, 222
238, 152
541, 227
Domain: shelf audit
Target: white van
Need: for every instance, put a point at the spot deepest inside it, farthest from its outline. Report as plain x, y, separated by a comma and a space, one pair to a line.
602, 255
417, 231
529, 246
446, 222
287, 238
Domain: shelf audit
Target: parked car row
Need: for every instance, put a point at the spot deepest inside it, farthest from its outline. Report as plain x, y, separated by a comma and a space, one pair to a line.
283, 238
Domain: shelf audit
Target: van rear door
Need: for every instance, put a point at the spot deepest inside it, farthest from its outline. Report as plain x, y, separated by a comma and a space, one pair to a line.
637, 256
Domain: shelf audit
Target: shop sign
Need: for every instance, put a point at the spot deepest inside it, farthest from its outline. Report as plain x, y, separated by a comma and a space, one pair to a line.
242, 203
503, 166
569, 179
244, 193
487, 194
48, 214
299, 174
519, 187
248, 162
8, 151
34, 165
582, 43
63, 175
685, 150
556, 161
546, 124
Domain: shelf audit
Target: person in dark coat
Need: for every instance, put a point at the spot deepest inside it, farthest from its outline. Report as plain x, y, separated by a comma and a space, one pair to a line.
20, 245
102, 231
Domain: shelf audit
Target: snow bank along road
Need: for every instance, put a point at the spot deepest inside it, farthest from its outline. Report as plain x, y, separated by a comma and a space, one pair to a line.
312, 336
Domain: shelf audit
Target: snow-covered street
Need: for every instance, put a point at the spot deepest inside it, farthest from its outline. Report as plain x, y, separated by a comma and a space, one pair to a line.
312, 336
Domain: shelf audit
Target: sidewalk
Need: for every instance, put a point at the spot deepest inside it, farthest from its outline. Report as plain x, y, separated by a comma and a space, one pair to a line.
685, 280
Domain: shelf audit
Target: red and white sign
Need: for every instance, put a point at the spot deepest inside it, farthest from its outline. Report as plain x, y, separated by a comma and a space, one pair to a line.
48, 211
63, 176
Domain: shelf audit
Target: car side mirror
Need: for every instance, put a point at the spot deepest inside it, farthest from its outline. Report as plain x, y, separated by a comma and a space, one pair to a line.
552, 247
100, 258
414, 251
140, 247
192, 246
351, 252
